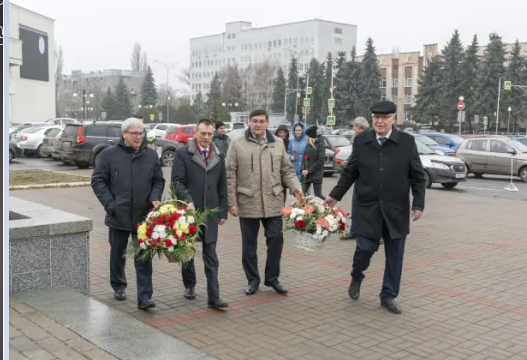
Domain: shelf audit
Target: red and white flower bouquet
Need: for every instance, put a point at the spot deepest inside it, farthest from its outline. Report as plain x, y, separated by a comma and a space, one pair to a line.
171, 230
312, 222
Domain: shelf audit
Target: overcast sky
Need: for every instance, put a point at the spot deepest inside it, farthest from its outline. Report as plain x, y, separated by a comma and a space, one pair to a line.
100, 34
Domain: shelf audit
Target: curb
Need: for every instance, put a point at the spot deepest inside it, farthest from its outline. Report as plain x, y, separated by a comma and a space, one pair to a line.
43, 186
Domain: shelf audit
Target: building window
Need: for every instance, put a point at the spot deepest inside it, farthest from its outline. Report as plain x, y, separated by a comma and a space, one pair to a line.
394, 99
279, 42
383, 82
407, 99
383, 97
337, 41
408, 82
233, 36
270, 44
395, 82
338, 30
228, 36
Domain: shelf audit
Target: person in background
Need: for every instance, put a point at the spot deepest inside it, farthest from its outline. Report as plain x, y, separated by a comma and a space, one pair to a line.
128, 181
220, 139
313, 162
385, 165
296, 148
283, 133
360, 124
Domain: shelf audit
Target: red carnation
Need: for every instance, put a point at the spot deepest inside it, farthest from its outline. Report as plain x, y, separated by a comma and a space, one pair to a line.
141, 241
305, 157
176, 216
192, 229
153, 245
158, 240
171, 223
160, 221
181, 207
342, 226
294, 152
183, 237
300, 224
168, 243
149, 233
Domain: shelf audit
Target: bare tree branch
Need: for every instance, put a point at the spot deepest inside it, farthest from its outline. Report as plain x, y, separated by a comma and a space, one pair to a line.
184, 77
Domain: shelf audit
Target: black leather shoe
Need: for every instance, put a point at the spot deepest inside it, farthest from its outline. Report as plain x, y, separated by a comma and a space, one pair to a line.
354, 289
251, 289
120, 295
145, 305
390, 304
190, 294
217, 304
278, 288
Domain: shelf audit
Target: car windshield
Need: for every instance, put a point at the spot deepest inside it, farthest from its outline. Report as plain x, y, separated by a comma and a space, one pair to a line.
518, 146
34, 129
338, 141
422, 149
426, 140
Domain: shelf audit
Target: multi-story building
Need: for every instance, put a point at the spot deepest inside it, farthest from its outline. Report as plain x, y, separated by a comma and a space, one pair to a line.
244, 45
399, 74
31, 66
96, 83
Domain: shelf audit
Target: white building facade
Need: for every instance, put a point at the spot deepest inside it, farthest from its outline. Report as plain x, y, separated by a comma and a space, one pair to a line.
244, 45
31, 66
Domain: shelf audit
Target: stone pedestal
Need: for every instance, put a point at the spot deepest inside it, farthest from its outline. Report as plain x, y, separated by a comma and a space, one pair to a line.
48, 248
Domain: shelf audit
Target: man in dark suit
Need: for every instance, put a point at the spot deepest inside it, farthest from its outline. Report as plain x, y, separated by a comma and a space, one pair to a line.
384, 165
198, 175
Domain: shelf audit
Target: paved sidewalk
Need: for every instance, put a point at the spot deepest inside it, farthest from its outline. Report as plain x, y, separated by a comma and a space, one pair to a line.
463, 294
33, 335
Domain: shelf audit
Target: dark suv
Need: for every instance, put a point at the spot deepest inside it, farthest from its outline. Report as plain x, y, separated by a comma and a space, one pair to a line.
81, 143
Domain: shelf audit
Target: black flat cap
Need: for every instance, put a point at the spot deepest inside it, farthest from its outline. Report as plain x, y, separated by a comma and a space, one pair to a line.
383, 108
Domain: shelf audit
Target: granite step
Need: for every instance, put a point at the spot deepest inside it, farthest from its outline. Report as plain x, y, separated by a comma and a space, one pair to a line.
117, 333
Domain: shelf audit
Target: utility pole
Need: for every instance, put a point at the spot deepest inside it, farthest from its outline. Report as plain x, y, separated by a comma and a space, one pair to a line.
498, 109
168, 68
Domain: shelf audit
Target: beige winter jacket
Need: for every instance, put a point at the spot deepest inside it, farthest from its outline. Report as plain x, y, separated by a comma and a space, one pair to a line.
255, 174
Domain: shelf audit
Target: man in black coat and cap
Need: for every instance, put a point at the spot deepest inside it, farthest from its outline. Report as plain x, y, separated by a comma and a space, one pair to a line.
384, 166
198, 174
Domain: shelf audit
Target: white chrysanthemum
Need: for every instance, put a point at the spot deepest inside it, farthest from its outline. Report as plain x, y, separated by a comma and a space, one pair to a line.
321, 209
142, 245
182, 220
292, 216
181, 212
299, 218
161, 230
325, 233
319, 229
190, 219
170, 249
155, 235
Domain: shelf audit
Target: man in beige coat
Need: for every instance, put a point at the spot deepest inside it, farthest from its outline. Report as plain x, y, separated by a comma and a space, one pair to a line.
257, 166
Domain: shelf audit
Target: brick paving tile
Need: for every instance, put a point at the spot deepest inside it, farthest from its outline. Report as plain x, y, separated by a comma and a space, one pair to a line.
455, 304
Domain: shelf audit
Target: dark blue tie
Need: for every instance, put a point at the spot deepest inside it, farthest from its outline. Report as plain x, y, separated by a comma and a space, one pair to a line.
205, 157
382, 140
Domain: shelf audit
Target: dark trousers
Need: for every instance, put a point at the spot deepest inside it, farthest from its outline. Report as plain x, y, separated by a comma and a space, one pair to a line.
275, 242
317, 188
394, 250
211, 264
353, 225
143, 269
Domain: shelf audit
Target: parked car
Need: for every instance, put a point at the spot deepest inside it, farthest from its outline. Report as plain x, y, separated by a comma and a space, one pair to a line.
334, 142
446, 140
15, 151
15, 130
492, 155
441, 150
445, 170
160, 130
167, 149
522, 139
48, 143
61, 121
180, 133
236, 133
31, 139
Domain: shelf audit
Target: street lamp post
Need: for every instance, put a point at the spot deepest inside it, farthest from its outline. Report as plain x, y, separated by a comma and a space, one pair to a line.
145, 107
509, 119
311, 51
84, 96
230, 105
461, 99
168, 68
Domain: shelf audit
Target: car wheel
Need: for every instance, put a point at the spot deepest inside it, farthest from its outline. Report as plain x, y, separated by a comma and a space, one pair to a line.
39, 152
11, 156
167, 158
182, 143
478, 175
96, 159
523, 174
66, 162
82, 165
450, 185
428, 180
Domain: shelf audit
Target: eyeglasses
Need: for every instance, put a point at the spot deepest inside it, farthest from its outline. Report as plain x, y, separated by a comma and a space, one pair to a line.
134, 133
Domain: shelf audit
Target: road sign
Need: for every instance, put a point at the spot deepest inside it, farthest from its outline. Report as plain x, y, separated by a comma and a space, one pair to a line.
152, 117
460, 116
485, 121
103, 115
476, 119
461, 105
331, 120
160, 116
307, 102
407, 119
309, 90
331, 88
507, 85
331, 103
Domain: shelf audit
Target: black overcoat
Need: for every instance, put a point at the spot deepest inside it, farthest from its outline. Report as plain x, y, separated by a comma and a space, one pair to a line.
383, 176
314, 162
203, 185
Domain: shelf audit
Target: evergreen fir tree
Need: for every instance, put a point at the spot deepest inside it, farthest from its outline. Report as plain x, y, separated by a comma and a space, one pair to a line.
292, 83
517, 96
279, 92
108, 105
123, 105
214, 94
199, 107
427, 101
348, 95
148, 89
341, 60
370, 79
452, 79
316, 80
488, 80
469, 81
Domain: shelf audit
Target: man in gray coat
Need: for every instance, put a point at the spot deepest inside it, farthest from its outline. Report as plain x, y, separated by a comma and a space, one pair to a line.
220, 139
198, 174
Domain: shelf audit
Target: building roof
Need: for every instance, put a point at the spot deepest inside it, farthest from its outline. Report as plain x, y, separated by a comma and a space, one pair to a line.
31, 11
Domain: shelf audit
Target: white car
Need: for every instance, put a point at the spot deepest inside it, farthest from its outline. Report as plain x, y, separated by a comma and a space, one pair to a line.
31, 139
159, 131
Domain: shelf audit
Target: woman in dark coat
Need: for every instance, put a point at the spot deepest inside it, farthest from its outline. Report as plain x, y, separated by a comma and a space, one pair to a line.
313, 162
283, 133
